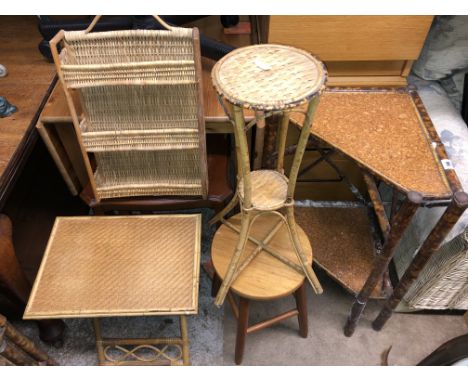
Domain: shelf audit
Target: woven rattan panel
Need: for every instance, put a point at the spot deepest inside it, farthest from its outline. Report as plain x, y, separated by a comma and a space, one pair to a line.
119, 266
138, 173
139, 91
384, 132
267, 77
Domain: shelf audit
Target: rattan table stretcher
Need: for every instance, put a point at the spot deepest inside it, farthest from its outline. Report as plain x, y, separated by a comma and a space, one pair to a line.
271, 80
109, 266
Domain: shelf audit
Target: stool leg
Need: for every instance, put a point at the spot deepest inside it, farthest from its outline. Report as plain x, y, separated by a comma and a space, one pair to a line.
215, 284
301, 304
185, 340
242, 326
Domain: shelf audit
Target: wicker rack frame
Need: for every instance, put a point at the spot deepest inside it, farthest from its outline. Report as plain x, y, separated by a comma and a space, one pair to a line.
169, 150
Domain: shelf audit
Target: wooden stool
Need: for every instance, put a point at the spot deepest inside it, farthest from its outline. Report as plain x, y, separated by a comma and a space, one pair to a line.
266, 278
110, 266
270, 79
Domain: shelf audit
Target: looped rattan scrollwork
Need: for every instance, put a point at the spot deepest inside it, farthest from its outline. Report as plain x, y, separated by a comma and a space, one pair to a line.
133, 353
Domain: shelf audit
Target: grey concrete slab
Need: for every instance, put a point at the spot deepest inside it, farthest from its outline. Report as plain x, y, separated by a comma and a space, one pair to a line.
412, 336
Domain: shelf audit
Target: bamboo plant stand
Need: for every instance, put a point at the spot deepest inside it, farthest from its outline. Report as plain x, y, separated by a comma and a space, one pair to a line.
113, 266
271, 80
265, 279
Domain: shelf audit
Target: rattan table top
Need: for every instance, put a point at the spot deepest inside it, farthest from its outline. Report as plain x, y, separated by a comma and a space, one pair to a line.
119, 266
268, 77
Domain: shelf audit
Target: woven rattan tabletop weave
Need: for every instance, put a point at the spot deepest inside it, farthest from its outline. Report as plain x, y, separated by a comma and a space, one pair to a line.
119, 266
268, 77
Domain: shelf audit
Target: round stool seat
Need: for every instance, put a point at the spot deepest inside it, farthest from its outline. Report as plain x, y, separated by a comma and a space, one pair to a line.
269, 189
268, 77
265, 277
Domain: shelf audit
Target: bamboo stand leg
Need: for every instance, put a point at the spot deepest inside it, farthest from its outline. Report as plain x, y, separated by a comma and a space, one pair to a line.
242, 326
431, 244
402, 219
259, 140
229, 278
185, 340
309, 273
225, 210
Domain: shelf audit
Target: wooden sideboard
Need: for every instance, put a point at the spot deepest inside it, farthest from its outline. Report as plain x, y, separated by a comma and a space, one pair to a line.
358, 50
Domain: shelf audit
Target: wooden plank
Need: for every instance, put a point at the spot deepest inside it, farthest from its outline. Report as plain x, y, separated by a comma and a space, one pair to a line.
367, 81
365, 68
353, 38
25, 86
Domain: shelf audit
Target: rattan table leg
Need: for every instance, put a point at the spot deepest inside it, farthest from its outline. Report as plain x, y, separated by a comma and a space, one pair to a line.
98, 335
401, 222
185, 340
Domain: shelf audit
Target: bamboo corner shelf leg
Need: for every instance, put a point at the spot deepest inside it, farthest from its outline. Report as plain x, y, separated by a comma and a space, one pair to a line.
431, 244
402, 220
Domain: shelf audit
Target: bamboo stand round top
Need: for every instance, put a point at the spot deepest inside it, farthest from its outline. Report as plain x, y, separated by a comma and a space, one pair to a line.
268, 77
266, 277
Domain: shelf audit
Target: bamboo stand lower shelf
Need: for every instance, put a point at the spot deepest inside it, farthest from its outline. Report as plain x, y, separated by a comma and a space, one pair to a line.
110, 266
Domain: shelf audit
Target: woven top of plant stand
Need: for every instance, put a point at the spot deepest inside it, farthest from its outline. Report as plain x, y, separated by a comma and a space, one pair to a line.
119, 266
268, 77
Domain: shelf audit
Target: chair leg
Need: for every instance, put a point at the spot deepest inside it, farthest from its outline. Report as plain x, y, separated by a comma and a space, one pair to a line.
308, 271
225, 210
229, 277
215, 284
301, 304
242, 326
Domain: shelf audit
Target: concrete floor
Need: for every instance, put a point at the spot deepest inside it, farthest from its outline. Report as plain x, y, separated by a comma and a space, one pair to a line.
412, 336
212, 332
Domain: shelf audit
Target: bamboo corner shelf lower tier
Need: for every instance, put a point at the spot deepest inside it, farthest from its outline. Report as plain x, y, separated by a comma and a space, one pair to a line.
343, 244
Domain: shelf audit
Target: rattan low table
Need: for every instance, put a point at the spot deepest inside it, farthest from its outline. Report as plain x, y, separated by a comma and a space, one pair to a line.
110, 266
